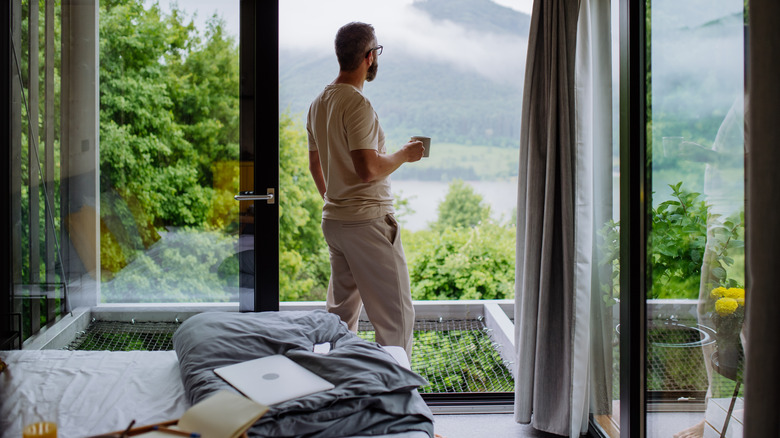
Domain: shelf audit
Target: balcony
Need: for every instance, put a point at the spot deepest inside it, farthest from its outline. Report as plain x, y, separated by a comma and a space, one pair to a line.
677, 375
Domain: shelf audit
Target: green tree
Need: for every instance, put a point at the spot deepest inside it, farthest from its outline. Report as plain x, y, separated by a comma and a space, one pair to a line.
462, 207
462, 263
678, 238
304, 263
204, 89
464, 255
169, 109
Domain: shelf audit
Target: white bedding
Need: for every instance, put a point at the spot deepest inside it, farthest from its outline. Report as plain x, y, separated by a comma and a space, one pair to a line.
89, 392
93, 392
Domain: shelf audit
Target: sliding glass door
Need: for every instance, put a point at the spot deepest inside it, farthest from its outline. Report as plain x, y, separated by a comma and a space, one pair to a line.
696, 258
169, 156
133, 127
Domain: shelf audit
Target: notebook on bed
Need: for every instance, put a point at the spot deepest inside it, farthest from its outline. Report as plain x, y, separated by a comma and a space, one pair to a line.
272, 379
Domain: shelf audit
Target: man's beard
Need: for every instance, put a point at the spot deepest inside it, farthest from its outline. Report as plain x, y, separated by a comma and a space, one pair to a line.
371, 73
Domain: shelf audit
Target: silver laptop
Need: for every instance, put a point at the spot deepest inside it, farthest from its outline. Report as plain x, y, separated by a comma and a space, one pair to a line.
272, 379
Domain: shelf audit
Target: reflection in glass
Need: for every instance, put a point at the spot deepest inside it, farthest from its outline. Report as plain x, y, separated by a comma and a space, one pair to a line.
695, 252
168, 154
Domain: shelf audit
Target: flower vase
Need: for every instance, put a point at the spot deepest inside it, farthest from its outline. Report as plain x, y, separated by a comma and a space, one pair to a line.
730, 356
728, 317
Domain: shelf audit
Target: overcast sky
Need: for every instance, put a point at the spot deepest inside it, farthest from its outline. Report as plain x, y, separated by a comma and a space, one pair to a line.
314, 11
311, 25
303, 23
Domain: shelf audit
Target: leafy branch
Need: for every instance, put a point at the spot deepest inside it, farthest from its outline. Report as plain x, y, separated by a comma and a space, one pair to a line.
677, 246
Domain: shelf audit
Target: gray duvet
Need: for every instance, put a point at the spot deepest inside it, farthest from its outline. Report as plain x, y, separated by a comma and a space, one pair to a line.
373, 394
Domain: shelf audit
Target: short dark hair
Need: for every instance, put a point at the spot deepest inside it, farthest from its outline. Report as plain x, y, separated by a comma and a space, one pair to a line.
352, 43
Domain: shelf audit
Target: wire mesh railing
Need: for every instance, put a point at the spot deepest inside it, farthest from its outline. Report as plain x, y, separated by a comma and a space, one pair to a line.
455, 356
125, 336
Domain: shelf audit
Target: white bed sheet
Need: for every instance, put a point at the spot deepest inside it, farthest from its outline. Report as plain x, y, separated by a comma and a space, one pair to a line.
93, 392
89, 392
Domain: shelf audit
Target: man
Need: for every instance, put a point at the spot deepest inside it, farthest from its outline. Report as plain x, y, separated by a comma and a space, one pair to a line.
350, 166
725, 196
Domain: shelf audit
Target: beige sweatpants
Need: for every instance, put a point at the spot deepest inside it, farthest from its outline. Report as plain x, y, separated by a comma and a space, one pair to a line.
368, 267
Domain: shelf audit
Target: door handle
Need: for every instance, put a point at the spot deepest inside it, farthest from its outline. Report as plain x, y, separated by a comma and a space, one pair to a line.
269, 197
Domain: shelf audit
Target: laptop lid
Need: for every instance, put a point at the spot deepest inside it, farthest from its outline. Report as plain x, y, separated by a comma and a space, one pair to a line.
272, 379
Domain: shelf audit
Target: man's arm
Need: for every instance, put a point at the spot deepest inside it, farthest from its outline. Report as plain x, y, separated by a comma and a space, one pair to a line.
370, 165
316, 172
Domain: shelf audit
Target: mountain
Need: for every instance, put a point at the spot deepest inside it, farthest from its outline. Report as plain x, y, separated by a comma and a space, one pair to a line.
480, 15
442, 98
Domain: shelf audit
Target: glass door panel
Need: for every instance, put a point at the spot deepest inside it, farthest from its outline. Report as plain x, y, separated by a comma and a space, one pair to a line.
169, 154
695, 135
128, 145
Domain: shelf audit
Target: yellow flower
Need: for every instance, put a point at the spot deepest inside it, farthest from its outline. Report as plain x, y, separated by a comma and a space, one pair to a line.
718, 292
726, 306
735, 292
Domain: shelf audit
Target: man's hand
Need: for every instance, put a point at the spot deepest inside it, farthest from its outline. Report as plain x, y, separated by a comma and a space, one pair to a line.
370, 165
414, 149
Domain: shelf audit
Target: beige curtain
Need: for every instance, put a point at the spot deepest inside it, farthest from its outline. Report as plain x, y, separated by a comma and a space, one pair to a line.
544, 274
762, 215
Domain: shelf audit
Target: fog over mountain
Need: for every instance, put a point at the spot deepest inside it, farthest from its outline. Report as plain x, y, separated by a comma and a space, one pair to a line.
452, 69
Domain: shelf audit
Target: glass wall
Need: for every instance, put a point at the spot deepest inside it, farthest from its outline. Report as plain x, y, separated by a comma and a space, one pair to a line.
127, 187
695, 147
38, 295
125, 145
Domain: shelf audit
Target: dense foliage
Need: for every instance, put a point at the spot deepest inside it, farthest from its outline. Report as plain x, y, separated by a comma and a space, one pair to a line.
168, 111
303, 259
462, 263
678, 235
464, 255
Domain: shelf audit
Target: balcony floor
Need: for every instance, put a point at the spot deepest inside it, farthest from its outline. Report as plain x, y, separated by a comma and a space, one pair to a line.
660, 425
484, 425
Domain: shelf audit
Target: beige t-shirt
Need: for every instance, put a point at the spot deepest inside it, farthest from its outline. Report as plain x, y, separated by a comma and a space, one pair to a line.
340, 120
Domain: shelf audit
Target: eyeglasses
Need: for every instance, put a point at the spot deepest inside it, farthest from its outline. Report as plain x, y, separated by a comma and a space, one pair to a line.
378, 51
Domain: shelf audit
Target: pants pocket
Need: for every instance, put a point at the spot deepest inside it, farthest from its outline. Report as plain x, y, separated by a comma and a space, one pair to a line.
392, 228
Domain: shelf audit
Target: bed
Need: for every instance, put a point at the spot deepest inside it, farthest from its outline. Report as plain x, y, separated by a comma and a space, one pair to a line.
89, 393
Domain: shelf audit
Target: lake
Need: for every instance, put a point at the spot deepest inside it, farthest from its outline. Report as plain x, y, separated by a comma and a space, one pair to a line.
424, 198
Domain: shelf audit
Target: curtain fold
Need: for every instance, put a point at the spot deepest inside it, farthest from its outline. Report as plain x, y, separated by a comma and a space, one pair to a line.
592, 365
562, 326
545, 241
